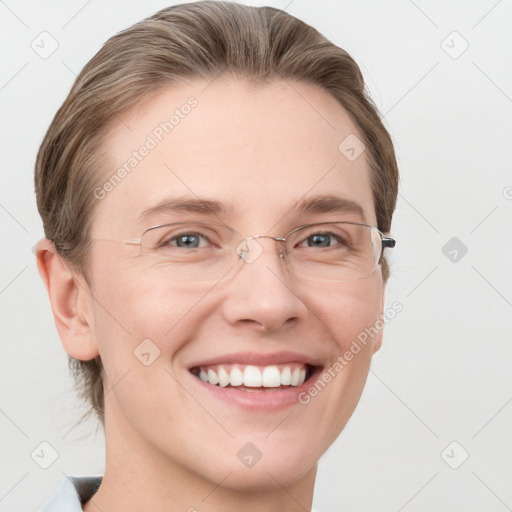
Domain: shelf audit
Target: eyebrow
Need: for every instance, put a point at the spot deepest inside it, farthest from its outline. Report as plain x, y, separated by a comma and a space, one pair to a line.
314, 205
187, 205
330, 204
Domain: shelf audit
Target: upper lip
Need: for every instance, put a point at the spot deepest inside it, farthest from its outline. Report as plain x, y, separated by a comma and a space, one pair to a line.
257, 359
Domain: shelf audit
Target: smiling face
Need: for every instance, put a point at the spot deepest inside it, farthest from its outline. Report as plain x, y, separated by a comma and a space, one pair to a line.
258, 152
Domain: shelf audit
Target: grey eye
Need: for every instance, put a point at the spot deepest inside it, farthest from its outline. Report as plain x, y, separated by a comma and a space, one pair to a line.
319, 240
323, 240
187, 241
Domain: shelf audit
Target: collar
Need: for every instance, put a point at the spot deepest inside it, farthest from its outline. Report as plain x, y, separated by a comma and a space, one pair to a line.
72, 493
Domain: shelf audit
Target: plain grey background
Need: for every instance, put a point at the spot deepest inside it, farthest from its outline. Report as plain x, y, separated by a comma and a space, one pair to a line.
432, 429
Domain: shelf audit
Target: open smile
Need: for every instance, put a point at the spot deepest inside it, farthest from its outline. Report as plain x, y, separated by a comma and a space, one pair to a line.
252, 378
256, 386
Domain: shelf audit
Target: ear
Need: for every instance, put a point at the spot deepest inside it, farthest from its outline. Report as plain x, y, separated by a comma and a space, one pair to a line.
70, 300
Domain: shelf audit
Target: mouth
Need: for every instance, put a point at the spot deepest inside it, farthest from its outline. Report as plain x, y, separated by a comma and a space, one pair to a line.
251, 378
253, 382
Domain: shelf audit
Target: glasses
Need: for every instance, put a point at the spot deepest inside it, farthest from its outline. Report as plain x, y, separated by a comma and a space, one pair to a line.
196, 251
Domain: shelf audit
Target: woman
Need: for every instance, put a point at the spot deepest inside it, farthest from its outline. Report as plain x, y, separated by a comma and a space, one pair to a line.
216, 191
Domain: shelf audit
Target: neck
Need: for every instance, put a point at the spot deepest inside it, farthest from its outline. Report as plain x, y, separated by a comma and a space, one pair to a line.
139, 477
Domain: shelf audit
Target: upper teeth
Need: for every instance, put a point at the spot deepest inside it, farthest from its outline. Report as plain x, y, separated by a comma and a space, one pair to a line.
254, 376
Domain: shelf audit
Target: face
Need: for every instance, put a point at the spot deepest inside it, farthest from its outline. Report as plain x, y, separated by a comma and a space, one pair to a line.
258, 151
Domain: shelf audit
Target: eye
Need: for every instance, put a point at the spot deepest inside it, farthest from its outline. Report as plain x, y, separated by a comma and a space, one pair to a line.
186, 239
190, 240
324, 239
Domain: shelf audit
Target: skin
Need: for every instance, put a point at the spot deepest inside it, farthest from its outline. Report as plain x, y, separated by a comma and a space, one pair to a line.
168, 446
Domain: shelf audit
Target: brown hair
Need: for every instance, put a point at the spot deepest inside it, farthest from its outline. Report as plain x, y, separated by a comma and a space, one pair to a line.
187, 41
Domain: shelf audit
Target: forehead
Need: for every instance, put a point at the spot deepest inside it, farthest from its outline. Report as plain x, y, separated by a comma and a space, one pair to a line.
260, 151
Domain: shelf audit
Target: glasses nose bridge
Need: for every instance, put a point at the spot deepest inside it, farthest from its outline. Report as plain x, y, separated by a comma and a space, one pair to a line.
276, 238
244, 246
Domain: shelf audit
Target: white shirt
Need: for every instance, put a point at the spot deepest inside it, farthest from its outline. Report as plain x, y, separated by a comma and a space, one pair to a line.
72, 493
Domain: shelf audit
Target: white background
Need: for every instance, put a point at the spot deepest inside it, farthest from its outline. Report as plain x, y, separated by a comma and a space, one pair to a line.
444, 371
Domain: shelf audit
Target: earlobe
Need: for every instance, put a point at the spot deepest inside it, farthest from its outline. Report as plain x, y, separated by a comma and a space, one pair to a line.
71, 314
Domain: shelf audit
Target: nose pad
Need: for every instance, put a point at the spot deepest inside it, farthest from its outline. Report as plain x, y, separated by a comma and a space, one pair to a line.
249, 249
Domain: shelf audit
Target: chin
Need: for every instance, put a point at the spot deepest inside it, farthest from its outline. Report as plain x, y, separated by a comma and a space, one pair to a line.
261, 464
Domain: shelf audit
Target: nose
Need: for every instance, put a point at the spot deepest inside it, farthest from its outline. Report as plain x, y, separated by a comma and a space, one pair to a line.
262, 293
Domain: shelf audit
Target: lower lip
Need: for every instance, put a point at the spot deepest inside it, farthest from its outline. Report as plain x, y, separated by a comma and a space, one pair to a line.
259, 400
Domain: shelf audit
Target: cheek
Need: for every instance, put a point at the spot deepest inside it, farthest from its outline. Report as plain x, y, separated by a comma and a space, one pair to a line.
134, 312
353, 320
348, 310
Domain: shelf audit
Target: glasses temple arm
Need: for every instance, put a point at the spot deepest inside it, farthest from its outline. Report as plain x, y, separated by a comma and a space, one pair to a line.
388, 242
